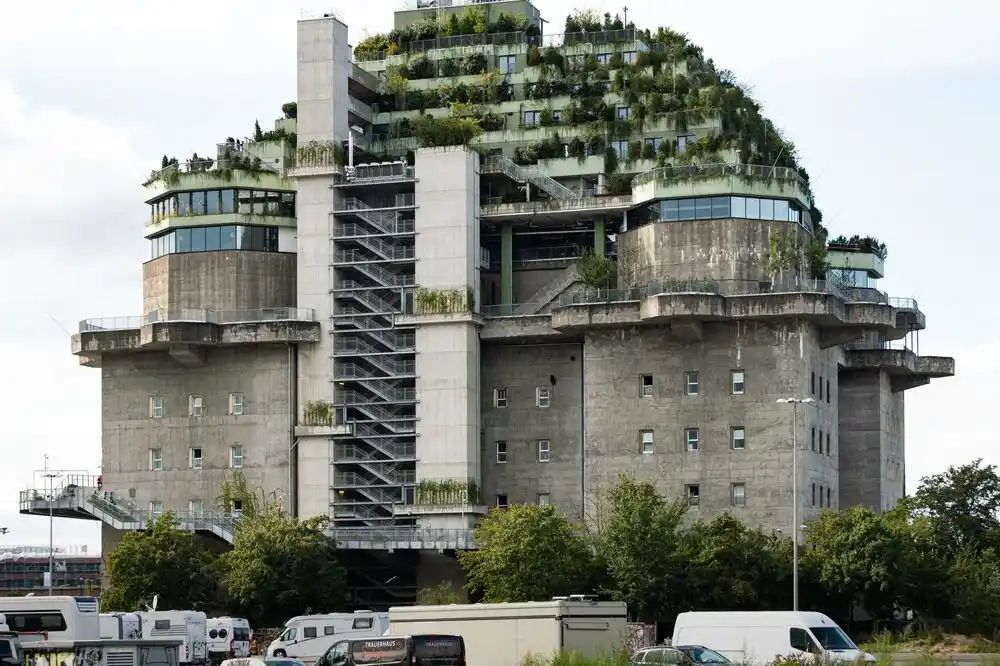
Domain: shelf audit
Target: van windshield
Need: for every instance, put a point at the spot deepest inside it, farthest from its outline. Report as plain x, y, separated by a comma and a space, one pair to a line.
438, 650
832, 638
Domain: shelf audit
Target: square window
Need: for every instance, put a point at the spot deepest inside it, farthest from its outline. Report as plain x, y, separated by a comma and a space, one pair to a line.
738, 493
502, 500
827, 443
237, 506
543, 397
738, 438
603, 58
156, 407
692, 386
624, 112
683, 141
155, 509
507, 64
542, 446
308, 632
693, 494
501, 452
194, 405
647, 441
500, 398
692, 438
194, 458
195, 507
156, 460
630, 57
236, 456
236, 404
646, 386
532, 118
544, 499
738, 382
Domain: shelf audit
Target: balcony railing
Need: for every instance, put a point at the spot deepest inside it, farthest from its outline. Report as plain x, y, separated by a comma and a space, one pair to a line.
186, 315
671, 174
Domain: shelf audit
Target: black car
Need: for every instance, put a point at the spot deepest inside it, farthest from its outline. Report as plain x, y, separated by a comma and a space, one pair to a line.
681, 655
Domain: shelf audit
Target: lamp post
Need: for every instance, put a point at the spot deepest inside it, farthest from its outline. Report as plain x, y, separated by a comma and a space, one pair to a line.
51, 476
795, 402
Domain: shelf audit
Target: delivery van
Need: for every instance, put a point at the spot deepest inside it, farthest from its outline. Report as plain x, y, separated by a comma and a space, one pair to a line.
763, 636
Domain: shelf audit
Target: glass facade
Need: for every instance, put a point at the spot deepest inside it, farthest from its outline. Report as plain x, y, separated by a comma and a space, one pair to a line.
710, 208
210, 239
221, 202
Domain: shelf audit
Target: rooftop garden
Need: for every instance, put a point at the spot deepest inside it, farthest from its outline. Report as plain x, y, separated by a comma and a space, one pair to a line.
863, 244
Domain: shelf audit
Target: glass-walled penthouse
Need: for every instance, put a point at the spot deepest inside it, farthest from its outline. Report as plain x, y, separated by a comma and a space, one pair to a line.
223, 202
211, 239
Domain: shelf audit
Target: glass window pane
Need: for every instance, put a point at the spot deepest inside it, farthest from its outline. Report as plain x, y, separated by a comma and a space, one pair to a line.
794, 213
271, 239
243, 238
702, 209
183, 240
288, 204
184, 203
228, 240
171, 243
685, 209
228, 201
739, 207
153, 244
198, 239
669, 211
197, 203
212, 202
257, 238
213, 238
259, 199
780, 210
720, 207
767, 209
753, 208
245, 202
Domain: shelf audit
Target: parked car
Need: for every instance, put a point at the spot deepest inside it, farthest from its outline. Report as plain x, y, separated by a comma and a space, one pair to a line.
679, 655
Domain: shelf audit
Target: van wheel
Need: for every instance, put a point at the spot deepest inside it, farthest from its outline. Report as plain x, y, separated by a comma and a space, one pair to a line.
280, 653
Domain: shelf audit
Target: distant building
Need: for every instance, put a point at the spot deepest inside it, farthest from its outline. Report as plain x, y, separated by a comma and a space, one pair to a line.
75, 572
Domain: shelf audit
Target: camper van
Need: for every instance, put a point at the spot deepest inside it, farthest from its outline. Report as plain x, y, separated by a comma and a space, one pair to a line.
228, 638
187, 626
763, 636
308, 637
10, 646
121, 626
56, 618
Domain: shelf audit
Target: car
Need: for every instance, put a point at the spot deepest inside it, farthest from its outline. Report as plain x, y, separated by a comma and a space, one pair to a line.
681, 655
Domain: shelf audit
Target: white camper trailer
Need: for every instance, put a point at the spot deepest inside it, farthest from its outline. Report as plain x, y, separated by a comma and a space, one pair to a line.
228, 638
52, 618
307, 637
121, 626
187, 626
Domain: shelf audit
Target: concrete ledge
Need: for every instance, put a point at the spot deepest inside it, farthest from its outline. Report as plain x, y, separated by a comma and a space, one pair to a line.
343, 430
439, 509
905, 369
428, 319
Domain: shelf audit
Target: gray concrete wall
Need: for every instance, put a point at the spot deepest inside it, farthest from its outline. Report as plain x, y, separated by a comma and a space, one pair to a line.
260, 373
521, 370
225, 280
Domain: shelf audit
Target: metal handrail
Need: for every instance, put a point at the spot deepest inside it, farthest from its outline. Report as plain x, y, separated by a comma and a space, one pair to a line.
220, 317
669, 174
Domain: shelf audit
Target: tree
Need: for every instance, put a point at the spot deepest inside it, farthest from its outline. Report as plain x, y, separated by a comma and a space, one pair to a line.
442, 593
963, 505
161, 561
639, 542
279, 566
528, 553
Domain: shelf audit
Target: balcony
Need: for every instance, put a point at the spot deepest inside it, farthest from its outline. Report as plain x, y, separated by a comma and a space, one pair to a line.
855, 260
557, 210
719, 179
208, 174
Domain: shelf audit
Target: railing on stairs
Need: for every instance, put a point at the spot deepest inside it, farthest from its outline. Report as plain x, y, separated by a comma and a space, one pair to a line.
502, 164
385, 220
550, 290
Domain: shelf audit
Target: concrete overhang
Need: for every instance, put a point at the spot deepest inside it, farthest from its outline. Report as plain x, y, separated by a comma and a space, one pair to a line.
556, 210
429, 319
331, 430
905, 368
535, 327
186, 340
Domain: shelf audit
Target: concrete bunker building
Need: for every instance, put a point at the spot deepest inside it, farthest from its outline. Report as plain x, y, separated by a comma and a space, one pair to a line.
477, 265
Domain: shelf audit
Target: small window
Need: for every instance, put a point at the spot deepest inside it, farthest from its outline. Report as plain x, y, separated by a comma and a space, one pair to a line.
156, 460
819, 443
739, 494
236, 456
500, 398
693, 494
812, 383
692, 386
738, 438
507, 64
329, 630
213, 634
543, 397
237, 506
544, 450
194, 458
195, 507
647, 441
603, 58
828, 497
828, 391
624, 112
646, 386
814, 494
501, 452
683, 141
821, 497
194, 405
308, 632
156, 407
653, 142
502, 500
236, 404
813, 440
156, 509
692, 438
543, 499
365, 622
827, 443
630, 57
821, 389
532, 118
738, 382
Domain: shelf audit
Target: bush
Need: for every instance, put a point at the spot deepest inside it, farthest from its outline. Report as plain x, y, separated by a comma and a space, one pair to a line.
575, 659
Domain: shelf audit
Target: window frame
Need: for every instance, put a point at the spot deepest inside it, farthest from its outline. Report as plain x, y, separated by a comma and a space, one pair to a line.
507, 64
196, 507
196, 405
196, 461
547, 499
646, 390
543, 450
499, 504
733, 430
543, 397
642, 442
733, 487
692, 378
688, 440
156, 459
737, 378
236, 455
156, 406
500, 400
236, 404
692, 499
156, 508
501, 456
535, 114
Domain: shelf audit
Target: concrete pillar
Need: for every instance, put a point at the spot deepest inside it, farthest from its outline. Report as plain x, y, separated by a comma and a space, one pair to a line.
599, 237
506, 264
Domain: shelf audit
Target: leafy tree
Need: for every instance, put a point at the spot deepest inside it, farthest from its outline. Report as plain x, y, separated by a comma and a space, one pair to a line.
279, 566
963, 504
528, 553
161, 561
442, 593
975, 592
639, 542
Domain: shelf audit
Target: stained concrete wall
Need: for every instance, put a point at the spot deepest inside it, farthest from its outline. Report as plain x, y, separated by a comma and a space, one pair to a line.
521, 370
709, 249
871, 440
224, 280
260, 373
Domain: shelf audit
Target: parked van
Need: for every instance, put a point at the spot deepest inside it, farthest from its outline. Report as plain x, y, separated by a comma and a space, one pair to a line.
187, 626
228, 638
10, 646
308, 637
56, 618
762, 636
121, 626
417, 650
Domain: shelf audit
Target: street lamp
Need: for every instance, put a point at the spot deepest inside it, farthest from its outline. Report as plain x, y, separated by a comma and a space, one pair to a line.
795, 402
51, 476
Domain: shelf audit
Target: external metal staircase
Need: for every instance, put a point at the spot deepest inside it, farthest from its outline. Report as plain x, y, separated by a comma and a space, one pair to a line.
501, 164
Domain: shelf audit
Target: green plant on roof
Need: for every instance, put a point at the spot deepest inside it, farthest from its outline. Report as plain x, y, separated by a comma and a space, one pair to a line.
856, 243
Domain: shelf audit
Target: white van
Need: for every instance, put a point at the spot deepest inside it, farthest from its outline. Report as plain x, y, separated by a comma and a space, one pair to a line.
307, 637
188, 626
228, 638
762, 636
121, 626
55, 618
